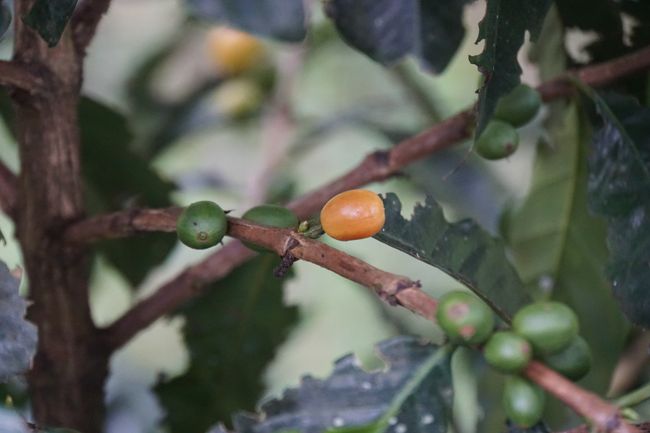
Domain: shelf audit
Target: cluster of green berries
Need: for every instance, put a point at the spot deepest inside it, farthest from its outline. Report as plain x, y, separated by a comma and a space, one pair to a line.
203, 224
545, 330
500, 139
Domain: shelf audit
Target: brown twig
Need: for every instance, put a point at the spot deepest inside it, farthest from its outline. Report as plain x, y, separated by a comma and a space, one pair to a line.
394, 289
643, 427
15, 75
380, 166
375, 167
85, 22
8, 192
604, 416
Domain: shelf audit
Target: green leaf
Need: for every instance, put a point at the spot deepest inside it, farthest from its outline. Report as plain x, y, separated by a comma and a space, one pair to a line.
619, 190
413, 393
232, 333
503, 29
17, 336
559, 248
386, 31
280, 19
115, 178
463, 250
49, 18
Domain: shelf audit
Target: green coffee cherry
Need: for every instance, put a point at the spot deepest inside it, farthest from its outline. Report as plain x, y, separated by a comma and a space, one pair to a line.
201, 225
498, 140
519, 106
548, 326
507, 352
573, 362
464, 317
523, 401
272, 216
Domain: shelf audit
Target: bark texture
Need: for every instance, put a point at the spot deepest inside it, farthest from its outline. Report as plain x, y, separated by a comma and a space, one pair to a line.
67, 378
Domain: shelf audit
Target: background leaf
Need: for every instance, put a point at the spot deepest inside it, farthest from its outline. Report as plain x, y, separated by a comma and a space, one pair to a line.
503, 29
387, 31
49, 18
232, 332
412, 394
17, 336
462, 249
558, 246
5, 18
619, 189
280, 19
116, 178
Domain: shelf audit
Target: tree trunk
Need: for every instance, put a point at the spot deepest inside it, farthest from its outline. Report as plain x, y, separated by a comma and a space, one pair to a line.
67, 378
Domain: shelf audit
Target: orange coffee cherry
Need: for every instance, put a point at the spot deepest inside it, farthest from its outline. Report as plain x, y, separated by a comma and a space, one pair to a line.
234, 51
354, 214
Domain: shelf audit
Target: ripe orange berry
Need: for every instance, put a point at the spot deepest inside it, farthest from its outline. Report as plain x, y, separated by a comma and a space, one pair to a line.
354, 214
233, 51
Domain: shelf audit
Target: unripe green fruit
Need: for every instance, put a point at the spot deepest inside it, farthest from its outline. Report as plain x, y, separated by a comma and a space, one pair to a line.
507, 352
573, 362
464, 317
201, 225
272, 216
519, 106
548, 326
498, 140
523, 401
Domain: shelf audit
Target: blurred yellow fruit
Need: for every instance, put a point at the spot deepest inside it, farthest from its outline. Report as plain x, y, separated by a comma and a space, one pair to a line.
233, 51
238, 97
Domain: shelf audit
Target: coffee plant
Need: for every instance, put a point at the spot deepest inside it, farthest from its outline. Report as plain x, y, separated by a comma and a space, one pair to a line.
535, 319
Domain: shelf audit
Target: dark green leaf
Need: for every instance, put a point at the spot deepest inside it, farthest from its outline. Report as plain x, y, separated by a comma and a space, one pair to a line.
502, 29
49, 18
5, 17
116, 178
462, 249
17, 336
387, 31
560, 249
412, 394
619, 189
280, 19
232, 333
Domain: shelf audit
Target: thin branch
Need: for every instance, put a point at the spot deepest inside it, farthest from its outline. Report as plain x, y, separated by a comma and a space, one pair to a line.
643, 427
85, 22
123, 224
8, 194
604, 416
392, 288
19, 76
382, 165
